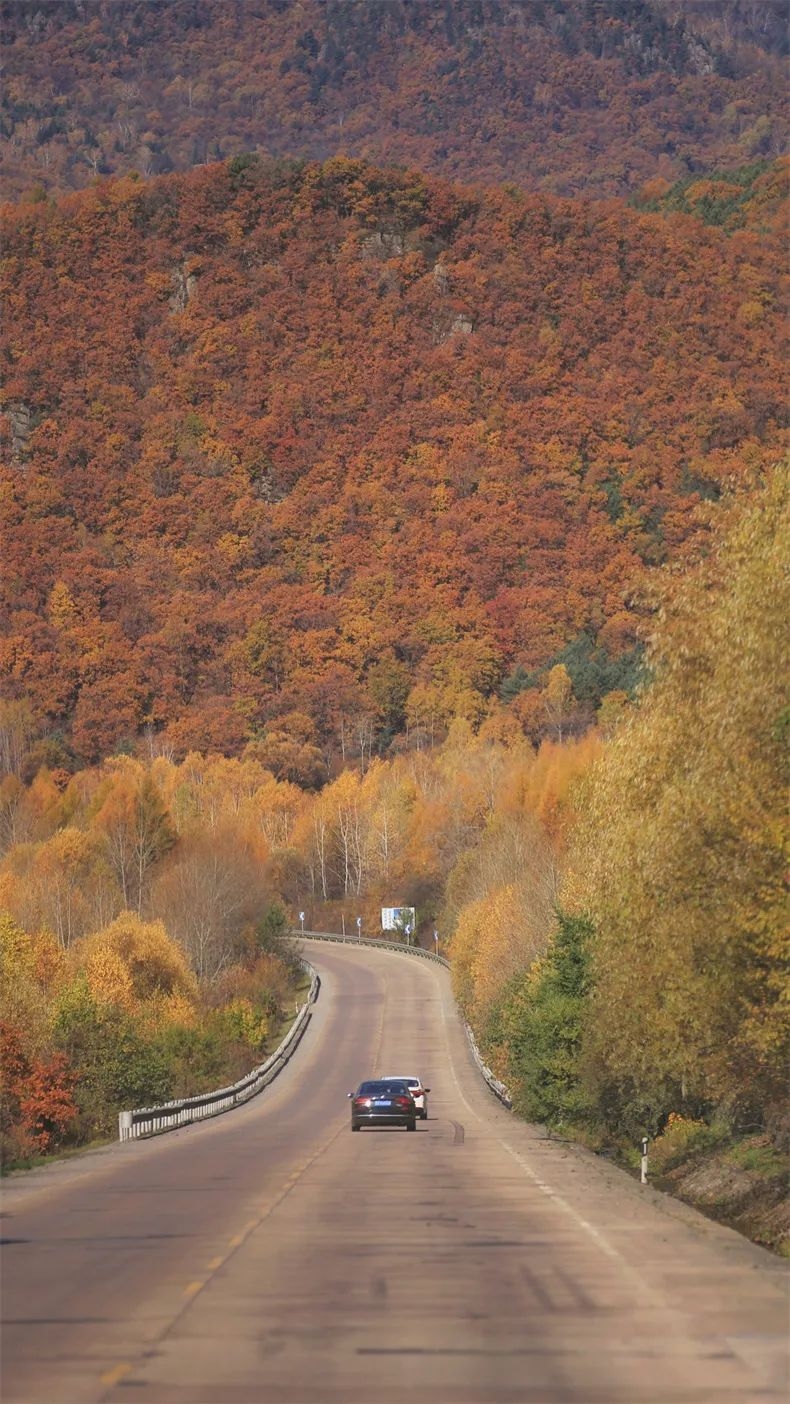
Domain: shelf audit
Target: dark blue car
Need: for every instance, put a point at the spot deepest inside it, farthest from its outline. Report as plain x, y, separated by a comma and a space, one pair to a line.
383, 1102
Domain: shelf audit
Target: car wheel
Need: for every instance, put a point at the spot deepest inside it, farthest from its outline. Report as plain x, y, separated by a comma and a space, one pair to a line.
424, 1113
354, 1126
411, 1126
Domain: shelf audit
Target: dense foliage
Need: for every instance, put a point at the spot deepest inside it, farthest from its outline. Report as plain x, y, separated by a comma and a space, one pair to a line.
682, 858
655, 996
117, 1019
307, 463
574, 96
664, 992
312, 456
103, 1007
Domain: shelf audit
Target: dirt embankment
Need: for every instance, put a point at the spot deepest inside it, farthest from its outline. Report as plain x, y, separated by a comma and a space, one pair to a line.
743, 1183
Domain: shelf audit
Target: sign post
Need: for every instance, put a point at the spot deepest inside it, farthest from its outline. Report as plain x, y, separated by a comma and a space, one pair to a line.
400, 919
301, 918
359, 928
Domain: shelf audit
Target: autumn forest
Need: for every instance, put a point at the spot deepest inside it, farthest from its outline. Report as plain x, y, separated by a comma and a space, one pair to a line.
400, 517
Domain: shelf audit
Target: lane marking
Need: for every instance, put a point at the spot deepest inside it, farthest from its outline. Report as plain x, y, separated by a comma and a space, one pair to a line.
112, 1377
592, 1232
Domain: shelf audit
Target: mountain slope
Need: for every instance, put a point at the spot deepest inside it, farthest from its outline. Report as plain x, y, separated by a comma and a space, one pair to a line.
573, 96
352, 442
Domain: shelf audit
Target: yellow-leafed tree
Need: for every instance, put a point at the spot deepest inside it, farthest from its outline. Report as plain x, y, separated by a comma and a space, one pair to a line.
682, 857
156, 965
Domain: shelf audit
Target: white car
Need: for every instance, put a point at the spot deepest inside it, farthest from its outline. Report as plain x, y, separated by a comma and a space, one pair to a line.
418, 1092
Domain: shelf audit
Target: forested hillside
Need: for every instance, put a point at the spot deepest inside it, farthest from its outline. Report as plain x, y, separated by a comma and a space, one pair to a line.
613, 906
644, 991
572, 96
309, 457
140, 902
394, 512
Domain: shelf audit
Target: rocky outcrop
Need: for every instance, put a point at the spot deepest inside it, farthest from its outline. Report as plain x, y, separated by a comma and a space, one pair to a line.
184, 279
18, 415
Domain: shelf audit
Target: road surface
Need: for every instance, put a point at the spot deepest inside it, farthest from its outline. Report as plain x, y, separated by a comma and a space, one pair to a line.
270, 1257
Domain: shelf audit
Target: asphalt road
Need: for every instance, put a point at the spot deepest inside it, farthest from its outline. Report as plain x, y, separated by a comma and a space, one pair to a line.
271, 1257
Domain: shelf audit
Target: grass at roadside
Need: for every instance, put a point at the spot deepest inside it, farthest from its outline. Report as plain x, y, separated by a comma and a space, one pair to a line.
744, 1183
35, 1162
741, 1181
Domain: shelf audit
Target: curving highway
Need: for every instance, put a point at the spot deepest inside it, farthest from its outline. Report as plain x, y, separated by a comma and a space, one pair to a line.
270, 1257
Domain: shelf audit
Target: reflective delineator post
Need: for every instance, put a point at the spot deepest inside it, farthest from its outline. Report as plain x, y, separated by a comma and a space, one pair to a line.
643, 1176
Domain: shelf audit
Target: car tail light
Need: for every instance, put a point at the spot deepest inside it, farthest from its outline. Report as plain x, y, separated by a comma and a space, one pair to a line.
404, 1101
362, 1101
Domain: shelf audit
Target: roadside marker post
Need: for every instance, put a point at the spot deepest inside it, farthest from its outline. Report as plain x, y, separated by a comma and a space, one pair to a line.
643, 1176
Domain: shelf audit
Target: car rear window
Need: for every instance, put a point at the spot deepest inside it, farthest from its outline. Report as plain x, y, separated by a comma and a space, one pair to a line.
370, 1089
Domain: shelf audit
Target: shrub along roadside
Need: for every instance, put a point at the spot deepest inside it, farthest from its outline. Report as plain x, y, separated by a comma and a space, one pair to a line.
535, 1038
534, 1032
82, 1040
660, 1005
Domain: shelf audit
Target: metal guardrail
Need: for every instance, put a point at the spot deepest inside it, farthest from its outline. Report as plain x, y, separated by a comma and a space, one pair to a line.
152, 1121
498, 1088
399, 946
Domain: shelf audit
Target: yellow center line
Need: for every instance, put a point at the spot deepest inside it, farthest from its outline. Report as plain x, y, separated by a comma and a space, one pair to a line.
112, 1377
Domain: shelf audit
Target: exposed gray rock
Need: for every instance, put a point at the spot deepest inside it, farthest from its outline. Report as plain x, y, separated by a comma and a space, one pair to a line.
18, 414
184, 285
383, 243
445, 328
441, 277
